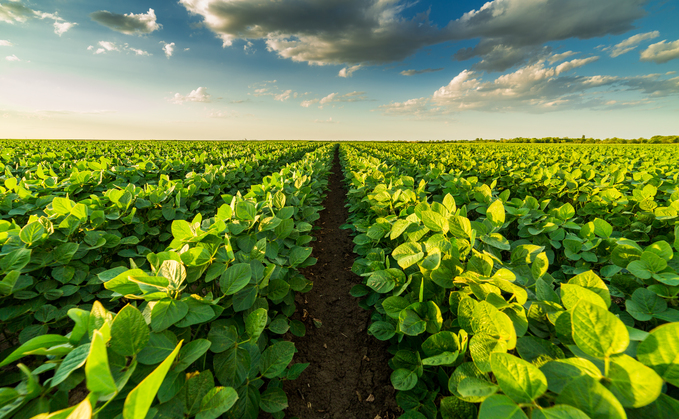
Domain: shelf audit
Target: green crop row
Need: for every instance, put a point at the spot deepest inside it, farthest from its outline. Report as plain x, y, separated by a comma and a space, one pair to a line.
522, 307
190, 328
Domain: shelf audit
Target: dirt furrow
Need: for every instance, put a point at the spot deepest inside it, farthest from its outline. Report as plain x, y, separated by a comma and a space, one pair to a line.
348, 377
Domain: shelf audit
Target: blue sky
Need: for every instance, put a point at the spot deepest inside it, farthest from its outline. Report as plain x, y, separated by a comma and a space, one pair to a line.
338, 69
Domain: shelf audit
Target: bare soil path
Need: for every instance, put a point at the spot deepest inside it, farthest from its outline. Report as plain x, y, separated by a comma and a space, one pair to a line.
348, 377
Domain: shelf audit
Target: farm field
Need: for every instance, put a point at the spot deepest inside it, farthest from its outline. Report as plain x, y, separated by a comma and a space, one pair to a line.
326, 280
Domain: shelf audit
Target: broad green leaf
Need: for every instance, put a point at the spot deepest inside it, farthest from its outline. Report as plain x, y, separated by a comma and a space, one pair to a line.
538, 351
196, 387
477, 388
597, 331
403, 379
592, 398
520, 380
159, 347
454, 408
662, 249
74, 360
408, 254
97, 371
273, 400
560, 411
644, 304
572, 294
15, 260
255, 323
660, 351
496, 213
32, 232
561, 372
232, 365
44, 341
481, 346
298, 255
633, 383
129, 332
276, 358
217, 402
167, 312
139, 400
235, 278
499, 406
182, 230
190, 353
382, 330
592, 282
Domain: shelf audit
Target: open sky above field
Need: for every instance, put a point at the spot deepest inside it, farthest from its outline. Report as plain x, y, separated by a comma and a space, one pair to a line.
338, 69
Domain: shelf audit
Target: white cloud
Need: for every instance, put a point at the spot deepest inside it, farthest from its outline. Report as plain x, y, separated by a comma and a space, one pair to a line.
569, 65
414, 72
4, 43
283, 96
12, 58
661, 52
631, 43
129, 23
198, 95
334, 98
558, 57
168, 48
348, 71
108, 46
14, 11
61, 28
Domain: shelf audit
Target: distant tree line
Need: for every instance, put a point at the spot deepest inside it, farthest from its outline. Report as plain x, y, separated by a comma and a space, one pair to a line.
656, 139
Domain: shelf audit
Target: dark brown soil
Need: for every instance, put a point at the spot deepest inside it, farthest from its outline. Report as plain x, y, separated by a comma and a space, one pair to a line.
348, 377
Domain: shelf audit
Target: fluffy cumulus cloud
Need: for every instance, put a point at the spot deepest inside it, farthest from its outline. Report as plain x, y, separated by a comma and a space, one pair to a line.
12, 58
107, 46
198, 95
348, 71
352, 32
631, 43
129, 23
168, 49
15, 11
536, 88
5, 43
415, 72
321, 31
661, 52
512, 32
336, 97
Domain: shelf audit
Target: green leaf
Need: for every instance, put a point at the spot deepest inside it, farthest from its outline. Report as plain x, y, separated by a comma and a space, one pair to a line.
273, 400
275, 358
32, 232
592, 282
602, 228
167, 312
74, 360
97, 371
181, 230
159, 347
199, 312
649, 264
460, 227
382, 330
255, 323
538, 351
644, 304
62, 206
572, 294
217, 402
15, 260
454, 408
222, 338
560, 411
298, 255
296, 370
190, 353
587, 394
520, 380
196, 387
408, 254
660, 351
232, 366
496, 213
129, 332
434, 221
662, 249
633, 383
139, 400
477, 388
39, 342
499, 406
403, 379
245, 211
235, 278
598, 332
